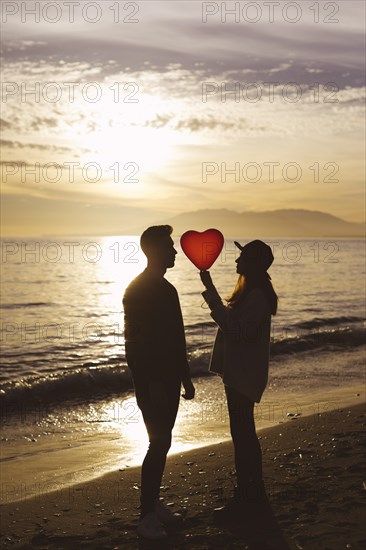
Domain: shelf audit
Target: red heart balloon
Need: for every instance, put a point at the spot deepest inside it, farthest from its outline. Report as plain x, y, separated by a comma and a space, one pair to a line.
202, 248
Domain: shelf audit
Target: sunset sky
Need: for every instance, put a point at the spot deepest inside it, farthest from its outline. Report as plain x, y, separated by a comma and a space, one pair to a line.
144, 112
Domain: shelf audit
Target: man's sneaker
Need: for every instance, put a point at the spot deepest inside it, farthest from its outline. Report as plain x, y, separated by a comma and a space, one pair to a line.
165, 515
150, 527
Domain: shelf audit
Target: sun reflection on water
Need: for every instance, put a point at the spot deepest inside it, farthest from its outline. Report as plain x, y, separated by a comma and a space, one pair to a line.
126, 419
120, 263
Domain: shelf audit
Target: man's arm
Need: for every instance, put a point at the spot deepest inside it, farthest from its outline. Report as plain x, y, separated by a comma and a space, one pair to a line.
139, 351
185, 372
189, 390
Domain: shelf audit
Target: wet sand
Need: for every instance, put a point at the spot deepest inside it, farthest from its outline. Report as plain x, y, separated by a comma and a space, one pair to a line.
314, 471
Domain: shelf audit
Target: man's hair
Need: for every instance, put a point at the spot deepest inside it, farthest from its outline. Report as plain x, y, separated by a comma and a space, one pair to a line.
153, 236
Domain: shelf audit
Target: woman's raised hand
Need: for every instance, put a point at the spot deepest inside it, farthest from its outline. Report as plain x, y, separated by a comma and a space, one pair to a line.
206, 279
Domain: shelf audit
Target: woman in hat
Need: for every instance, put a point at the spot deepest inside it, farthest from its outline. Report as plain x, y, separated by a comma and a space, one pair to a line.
241, 355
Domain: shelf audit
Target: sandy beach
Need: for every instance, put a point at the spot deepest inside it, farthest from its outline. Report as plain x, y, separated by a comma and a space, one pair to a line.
314, 473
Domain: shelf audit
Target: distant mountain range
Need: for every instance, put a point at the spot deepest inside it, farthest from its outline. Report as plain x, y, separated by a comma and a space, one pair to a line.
25, 215
274, 223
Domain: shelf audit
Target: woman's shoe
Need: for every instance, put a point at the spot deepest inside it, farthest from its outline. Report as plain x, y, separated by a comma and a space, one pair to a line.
150, 527
248, 498
166, 516
252, 494
229, 512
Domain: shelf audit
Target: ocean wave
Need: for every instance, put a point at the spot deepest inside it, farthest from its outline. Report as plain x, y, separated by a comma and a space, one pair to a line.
325, 340
328, 321
314, 323
91, 381
82, 383
320, 340
27, 304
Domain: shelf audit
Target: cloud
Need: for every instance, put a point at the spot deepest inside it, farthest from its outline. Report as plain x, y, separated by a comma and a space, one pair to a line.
38, 123
22, 45
169, 55
5, 124
192, 123
196, 124
164, 37
40, 147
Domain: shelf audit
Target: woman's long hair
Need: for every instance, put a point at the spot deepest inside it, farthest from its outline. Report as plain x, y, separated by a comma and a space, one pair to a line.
245, 284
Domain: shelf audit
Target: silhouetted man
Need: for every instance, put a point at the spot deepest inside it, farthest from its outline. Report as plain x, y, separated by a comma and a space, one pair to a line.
156, 355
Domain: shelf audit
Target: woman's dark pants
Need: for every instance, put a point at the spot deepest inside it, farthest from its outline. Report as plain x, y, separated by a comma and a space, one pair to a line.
248, 454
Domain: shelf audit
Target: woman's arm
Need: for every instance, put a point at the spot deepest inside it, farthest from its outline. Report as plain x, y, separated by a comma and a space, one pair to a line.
243, 323
218, 311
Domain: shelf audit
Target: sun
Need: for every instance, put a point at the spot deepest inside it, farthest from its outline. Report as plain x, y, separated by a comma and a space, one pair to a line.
119, 149
121, 136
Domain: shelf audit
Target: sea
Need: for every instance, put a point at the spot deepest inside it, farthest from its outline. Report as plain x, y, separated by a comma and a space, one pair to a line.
64, 380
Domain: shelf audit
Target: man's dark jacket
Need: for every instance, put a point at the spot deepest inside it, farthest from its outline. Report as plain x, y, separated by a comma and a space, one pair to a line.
154, 330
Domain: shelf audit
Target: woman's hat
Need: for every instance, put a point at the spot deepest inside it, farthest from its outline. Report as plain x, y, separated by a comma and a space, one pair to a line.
257, 252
